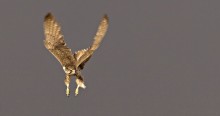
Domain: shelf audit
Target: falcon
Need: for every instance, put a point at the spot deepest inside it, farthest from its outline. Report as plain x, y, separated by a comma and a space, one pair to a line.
72, 63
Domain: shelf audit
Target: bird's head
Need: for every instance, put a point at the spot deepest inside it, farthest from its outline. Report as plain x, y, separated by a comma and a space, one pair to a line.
69, 70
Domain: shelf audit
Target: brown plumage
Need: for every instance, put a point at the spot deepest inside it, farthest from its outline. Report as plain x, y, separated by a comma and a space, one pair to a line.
72, 63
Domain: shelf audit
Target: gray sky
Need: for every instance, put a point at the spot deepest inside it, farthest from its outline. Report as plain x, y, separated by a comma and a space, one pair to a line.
159, 58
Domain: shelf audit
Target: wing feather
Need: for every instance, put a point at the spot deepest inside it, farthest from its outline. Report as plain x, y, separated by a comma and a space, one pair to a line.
84, 55
54, 41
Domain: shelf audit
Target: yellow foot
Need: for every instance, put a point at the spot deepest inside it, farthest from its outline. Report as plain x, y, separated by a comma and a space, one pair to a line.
67, 92
77, 90
67, 83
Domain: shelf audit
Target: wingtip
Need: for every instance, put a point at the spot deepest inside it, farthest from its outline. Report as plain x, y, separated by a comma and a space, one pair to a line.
48, 16
106, 17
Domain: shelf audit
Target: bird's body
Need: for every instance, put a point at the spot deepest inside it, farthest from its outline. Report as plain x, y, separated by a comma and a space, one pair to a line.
72, 63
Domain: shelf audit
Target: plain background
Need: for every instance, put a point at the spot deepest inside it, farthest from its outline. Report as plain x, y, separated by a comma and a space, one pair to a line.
159, 58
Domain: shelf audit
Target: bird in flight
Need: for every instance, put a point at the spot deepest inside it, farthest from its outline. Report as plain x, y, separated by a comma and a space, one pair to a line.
72, 63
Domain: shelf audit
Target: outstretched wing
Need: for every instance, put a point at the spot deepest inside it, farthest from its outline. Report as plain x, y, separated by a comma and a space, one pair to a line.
54, 41
84, 55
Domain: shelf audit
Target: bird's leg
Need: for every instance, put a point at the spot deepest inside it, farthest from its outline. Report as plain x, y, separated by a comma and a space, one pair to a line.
77, 90
80, 83
67, 83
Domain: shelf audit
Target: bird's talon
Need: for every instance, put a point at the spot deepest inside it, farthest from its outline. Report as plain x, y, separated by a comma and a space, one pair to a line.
77, 91
67, 92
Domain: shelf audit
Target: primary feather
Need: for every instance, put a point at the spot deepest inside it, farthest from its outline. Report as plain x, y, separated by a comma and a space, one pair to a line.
55, 43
